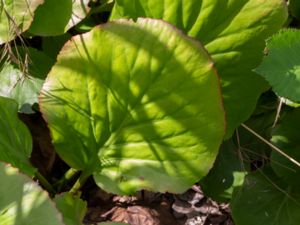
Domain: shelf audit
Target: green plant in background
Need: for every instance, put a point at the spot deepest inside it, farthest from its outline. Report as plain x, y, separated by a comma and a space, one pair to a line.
272, 193
145, 101
15, 17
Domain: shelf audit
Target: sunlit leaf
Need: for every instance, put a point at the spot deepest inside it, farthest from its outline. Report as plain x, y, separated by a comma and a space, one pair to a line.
15, 17
24, 81
281, 67
23, 202
135, 104
233, 32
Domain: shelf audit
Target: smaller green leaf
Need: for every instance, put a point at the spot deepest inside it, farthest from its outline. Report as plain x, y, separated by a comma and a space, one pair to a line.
21, 85
281, 67
23, 202
72, 208
15, 17
66, 13
228, 172
37, 63
265, 200
286, 137
15, 139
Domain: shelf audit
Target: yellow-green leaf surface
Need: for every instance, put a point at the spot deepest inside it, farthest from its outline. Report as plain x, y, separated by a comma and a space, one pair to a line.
23, 202
15, 17
233, 32
55, 17
15, 139
136, 104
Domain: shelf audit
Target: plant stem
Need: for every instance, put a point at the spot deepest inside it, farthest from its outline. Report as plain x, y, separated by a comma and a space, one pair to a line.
80, 182
278, 112
44, 182
67, 177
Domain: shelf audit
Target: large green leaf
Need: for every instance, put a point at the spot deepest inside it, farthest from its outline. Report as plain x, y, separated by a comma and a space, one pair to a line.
15, 139
265, 200
281, 67
15, 17
23, 82
142, 97
72, 208
233, 32
228, 172
55, 17
23, 202
286, 136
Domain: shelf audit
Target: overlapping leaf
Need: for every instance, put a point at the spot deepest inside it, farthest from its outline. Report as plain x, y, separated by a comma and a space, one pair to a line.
15, 17
264, 200
281, 67
23, 201
55, 17
228, 172
15, 139
24, 81
72, 208
138, 103
233, 32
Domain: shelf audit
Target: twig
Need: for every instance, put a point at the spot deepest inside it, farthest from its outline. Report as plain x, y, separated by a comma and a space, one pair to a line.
278, 112
271, 145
